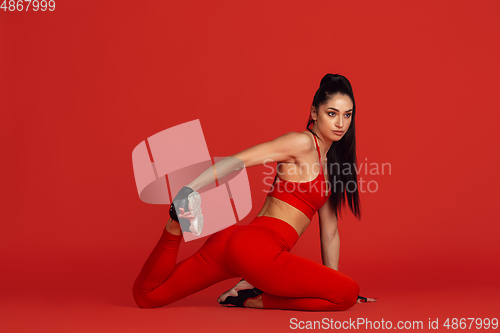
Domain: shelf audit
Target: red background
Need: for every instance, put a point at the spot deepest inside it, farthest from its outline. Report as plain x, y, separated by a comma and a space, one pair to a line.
80, 87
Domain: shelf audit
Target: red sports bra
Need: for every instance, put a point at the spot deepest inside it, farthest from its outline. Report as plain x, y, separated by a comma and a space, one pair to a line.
307, 197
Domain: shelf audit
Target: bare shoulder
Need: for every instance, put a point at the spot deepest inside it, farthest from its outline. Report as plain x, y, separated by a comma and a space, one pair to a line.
300, 140
309, 140
284, 148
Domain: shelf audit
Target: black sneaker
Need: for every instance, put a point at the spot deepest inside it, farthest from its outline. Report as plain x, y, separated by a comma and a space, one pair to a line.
243, 295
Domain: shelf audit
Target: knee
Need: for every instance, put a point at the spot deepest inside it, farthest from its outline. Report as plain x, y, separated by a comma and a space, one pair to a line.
145, 303
141, 303
346, 297
350, 295
141, 298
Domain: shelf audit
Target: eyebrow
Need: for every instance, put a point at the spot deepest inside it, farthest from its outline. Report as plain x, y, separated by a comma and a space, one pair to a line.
338, 110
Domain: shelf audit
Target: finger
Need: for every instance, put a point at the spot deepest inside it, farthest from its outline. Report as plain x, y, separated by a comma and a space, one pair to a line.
187, 214
182, 211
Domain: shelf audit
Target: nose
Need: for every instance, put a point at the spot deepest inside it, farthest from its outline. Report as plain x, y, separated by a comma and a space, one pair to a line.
339, 122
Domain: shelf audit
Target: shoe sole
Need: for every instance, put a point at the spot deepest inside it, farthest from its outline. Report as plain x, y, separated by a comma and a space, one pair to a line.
242, 285
195, 207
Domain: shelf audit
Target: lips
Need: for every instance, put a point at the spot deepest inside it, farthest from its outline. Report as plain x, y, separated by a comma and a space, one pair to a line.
338, 132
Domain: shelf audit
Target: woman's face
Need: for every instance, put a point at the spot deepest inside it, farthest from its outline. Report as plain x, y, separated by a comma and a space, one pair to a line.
334, 117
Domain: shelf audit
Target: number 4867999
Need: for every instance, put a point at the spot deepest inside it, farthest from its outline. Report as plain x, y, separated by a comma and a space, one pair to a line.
25, 5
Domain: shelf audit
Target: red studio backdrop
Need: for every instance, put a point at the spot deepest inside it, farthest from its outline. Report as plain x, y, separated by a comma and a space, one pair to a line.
82, 85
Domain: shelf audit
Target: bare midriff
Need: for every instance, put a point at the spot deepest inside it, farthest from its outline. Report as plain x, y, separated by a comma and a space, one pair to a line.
279, 209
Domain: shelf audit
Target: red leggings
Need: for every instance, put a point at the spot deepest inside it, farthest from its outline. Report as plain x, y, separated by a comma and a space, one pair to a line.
258, 252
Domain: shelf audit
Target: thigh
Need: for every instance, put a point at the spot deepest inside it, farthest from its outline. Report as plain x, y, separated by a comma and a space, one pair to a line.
215, 247
262, 257
301, 277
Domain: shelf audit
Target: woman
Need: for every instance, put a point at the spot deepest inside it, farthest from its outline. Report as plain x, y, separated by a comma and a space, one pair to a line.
260, 251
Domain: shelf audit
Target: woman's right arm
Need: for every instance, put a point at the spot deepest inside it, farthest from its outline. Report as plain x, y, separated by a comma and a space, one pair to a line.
284, 147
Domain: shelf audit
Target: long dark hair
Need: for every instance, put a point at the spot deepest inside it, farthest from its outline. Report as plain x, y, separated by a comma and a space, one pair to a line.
342, 154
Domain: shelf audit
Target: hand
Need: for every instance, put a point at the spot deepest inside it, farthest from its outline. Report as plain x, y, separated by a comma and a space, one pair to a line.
362, 299
187, 215
186, 209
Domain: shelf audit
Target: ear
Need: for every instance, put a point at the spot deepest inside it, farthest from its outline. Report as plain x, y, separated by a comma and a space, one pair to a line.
314, 114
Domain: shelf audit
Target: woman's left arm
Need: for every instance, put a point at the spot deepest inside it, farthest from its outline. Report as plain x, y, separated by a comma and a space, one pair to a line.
329, 236
330, 242
330, 250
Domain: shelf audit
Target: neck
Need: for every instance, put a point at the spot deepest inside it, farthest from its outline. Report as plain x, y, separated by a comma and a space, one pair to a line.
324, 144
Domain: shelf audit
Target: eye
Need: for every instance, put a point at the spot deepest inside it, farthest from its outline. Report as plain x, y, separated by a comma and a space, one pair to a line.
331, 112
349, 114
